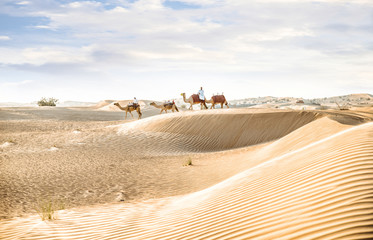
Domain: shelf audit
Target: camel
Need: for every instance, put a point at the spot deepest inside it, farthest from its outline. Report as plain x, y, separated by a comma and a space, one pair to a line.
218, 99
165, 106
193, 99
129, 108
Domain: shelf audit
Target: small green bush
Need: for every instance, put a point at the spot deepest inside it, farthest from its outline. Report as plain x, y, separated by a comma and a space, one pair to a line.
47, 102
188, 162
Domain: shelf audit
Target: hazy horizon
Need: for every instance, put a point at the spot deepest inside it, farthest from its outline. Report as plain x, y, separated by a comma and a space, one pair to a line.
64, 101
155, 49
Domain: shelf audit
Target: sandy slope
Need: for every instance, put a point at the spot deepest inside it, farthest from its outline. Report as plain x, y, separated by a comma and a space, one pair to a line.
97, 162
257, 174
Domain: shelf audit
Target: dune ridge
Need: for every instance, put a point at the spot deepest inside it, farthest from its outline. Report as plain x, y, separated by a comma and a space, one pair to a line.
217, 130
319, 188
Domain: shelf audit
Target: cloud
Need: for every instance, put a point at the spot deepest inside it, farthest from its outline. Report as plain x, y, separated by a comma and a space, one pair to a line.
269, 40
43, 27
23, 3
198, 2
60, 69
16, 84
4, 38
43, 55
153, 31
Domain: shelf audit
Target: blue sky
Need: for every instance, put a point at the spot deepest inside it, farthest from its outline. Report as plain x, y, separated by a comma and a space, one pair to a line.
156, 49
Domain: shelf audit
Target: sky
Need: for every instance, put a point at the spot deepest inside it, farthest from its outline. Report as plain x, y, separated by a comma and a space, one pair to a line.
156, 49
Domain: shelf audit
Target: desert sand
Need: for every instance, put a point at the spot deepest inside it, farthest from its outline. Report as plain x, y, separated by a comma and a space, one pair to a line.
255, 173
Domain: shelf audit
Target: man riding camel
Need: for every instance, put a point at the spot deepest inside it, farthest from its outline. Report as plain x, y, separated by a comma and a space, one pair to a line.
169, 102
201, 95
135, 103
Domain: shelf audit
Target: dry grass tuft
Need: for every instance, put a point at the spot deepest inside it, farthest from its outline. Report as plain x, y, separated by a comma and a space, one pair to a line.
47, 209
343, 106
188, 162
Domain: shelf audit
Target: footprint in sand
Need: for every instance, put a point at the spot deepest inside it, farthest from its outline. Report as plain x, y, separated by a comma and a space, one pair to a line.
121, 196
6, 144
87, 193
53, 149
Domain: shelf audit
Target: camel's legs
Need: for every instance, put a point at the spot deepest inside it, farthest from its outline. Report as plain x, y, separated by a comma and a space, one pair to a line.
203, 105
126, 116
131, 114
139, 113
222, 105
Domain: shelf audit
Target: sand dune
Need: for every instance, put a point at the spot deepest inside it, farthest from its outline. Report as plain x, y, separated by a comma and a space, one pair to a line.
66, 160
215, 130
258, 174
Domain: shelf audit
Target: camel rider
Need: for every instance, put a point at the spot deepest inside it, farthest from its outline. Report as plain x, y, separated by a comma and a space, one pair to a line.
169, 102
201, 95
135, 103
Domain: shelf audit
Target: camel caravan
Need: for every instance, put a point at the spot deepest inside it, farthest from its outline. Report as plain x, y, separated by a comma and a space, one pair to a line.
216, 99
129, 108
166, 106
198, 98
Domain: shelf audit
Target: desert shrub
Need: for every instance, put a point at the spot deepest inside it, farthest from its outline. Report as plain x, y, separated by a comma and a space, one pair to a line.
47, 102
47, 209
343, 106
188, 162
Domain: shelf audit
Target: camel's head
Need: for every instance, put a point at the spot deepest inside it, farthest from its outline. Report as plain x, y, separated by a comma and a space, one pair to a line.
182, 94
152, 103
116, 104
